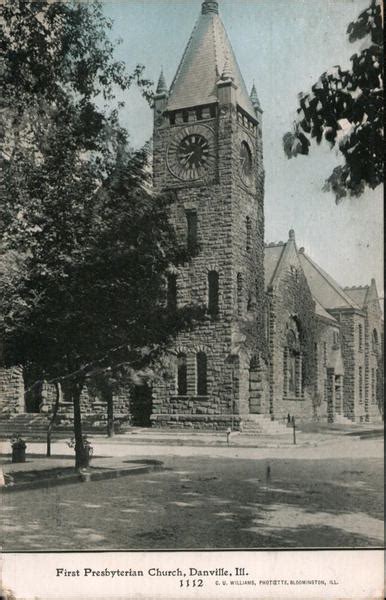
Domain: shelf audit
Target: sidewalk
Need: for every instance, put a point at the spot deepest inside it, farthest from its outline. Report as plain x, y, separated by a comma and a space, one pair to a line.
147, 436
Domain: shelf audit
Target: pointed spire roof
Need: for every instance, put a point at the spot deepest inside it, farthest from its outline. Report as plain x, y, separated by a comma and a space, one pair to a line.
255, 99
161, 87
203, 64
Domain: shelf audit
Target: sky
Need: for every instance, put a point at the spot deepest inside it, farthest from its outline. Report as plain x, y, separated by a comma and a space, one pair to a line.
283, 46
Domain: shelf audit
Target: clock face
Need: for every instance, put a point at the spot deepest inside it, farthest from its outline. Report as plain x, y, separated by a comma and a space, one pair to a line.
246, 163
190, 153
193, 153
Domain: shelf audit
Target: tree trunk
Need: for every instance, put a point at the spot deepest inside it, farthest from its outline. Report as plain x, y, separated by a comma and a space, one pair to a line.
81, 452
110, 412
53, 417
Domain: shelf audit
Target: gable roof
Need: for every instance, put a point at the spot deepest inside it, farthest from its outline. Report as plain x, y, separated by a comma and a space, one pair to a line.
206, 55
321, 312
272, 256
358, 294
323, 287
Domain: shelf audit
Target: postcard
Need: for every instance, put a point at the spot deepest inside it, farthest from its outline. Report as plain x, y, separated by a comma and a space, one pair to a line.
191, 300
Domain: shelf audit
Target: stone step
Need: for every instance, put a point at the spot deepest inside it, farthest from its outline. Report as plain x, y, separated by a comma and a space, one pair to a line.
341, 420
30, 424
261, 423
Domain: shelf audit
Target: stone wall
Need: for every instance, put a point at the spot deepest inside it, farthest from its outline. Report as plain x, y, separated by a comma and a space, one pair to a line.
329, 364
230, 222
93, 406
353, 352
11, 391
373, 362
322, 400
290, 289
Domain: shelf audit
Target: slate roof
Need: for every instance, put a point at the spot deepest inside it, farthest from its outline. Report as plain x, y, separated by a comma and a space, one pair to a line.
207, 53
358, 294
321, 312
323, 287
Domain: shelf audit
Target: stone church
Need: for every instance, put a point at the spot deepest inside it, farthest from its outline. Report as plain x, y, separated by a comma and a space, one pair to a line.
280, 337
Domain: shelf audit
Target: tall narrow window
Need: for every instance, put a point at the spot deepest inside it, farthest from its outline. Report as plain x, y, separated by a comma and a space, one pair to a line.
248, 226
266, 322
182, 385
239, 290
373, 386
360, 384
360, 338
324, 354
374, 341
251, 303
213, 289
191, 219
201, 360
292, 363
172, 292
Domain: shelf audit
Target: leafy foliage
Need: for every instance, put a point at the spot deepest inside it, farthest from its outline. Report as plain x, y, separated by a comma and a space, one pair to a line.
59, 70
304, 310
85, 243
345, 108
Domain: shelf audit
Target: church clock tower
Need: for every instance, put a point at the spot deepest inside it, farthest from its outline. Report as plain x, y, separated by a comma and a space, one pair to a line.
208, 152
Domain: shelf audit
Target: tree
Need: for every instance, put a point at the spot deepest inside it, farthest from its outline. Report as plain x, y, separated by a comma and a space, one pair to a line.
89, 243
345, 108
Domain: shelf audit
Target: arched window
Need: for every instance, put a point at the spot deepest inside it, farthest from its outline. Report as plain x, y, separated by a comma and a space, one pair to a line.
213, 289
239, 289
374, 341
360, 383
292, 354
360, 338
201, 363
172, 292
182, 384
292, 362
248, 226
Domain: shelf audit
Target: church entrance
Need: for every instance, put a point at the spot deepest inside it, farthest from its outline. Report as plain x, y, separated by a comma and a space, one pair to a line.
141, 406
33, 398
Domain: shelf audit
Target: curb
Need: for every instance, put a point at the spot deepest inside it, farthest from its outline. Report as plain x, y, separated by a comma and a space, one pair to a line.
83, 477
220, 444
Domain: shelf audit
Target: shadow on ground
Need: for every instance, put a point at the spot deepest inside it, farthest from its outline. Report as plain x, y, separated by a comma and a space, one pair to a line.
207, 503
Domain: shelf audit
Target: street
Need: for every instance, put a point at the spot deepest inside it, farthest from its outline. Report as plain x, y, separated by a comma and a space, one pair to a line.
210, 498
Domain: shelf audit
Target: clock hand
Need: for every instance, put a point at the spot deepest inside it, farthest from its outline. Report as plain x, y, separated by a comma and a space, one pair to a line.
185, 159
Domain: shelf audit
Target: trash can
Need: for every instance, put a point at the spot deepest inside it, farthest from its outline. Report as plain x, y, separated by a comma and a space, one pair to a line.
18, 452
